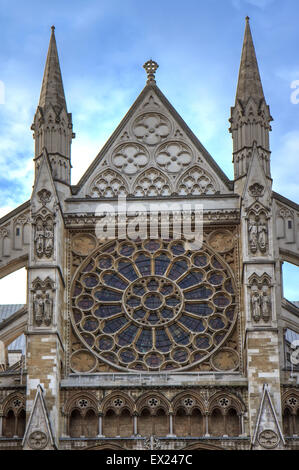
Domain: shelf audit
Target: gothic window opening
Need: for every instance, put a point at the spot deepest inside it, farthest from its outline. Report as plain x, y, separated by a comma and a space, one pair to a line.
83, 422
216, 423
14, 421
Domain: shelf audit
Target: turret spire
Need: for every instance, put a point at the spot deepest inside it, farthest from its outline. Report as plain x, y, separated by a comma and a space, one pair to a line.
249, 82
250, 117
52, 124
52, 91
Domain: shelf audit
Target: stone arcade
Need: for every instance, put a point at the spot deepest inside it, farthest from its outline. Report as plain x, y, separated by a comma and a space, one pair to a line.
147, 344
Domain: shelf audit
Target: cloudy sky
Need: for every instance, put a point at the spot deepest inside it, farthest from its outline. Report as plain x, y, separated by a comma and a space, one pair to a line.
102, 46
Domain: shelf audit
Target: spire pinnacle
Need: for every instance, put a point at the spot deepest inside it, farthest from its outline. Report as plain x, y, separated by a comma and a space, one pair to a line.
150, 67
52, 91
249, 82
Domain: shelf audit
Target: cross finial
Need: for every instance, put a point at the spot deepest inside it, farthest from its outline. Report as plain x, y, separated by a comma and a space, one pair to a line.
53, 28
247, 18
150, 66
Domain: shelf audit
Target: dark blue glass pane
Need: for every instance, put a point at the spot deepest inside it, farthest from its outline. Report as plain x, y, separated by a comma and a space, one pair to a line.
163, 343
105, 294
177, 269
104, 311
199, 309
104, 262
143, 263
127, 336
161, 264
126, 269
144, 342
203, 342
198, 293
216, 323
191, 279
153, 301
114, 325
179, 335
113, 280
192, 324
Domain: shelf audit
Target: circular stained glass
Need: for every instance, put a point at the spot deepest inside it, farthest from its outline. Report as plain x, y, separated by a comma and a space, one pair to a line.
152, 306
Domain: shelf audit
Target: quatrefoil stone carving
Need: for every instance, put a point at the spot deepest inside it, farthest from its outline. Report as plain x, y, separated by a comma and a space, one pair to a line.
151, 128
130, 158
174, 156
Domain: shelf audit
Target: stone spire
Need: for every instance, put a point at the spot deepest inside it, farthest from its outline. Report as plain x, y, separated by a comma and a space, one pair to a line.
52, 125
249, 82
250, 117
52, 91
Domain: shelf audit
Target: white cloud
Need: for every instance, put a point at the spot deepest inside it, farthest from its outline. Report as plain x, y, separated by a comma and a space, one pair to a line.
284, 159
257, 3
13, 288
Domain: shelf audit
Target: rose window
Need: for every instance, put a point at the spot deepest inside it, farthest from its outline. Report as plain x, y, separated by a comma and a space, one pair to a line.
153, 305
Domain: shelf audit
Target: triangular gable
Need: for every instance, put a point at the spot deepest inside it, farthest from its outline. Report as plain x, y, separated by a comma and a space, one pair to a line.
267, 432
38, 434
257, 185
44, 190
152, 136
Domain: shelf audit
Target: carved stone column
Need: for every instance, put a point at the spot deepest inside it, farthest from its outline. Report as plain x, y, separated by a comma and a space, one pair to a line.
101, 425
171, 434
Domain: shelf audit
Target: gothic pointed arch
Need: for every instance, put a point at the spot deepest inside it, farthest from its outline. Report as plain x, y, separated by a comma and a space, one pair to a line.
108, 183
118, 401
152, 182
188, 400
196, 181
152, 401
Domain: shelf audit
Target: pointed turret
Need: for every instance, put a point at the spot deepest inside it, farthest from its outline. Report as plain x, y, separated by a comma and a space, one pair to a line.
249, 82
250, 117
52, 125
52, 91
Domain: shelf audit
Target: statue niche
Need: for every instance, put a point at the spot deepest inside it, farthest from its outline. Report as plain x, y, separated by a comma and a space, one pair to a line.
258, 233
42, 301
44, 237
260, 298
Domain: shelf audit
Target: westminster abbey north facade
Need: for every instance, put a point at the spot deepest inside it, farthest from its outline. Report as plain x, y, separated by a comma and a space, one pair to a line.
151, 342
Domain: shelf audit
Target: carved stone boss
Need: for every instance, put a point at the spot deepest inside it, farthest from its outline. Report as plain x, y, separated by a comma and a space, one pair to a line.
42, 301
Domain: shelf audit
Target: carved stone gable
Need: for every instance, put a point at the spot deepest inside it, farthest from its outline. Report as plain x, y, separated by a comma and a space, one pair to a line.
38, 434
152, 139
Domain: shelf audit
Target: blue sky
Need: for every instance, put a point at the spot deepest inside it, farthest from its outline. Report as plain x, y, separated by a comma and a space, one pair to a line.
102, 46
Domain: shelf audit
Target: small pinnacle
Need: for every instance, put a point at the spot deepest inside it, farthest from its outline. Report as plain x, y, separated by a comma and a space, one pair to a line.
247, 18
53, 28
150, 67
